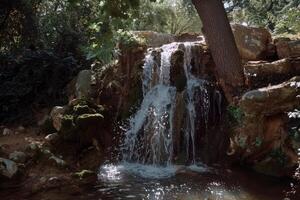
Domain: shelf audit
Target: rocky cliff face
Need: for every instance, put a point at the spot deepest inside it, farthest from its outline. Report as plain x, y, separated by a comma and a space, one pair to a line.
262, 132
258, 124
265, 137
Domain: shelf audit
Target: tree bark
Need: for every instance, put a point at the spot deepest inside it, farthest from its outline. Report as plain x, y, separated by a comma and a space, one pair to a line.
220, 39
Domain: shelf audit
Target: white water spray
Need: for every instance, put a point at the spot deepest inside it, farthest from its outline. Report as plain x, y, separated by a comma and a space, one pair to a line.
149, 139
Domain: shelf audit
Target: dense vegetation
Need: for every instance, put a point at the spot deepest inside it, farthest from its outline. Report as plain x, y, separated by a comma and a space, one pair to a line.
91, 28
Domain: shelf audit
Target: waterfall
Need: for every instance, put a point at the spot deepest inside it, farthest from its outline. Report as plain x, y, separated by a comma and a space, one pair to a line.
150, 137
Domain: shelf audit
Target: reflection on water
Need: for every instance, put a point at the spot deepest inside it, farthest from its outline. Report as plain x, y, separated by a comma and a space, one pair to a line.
134, 181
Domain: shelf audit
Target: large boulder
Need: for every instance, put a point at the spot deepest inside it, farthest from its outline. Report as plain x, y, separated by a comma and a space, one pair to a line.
263, 140
253, 43
274, 99
18, 156
56, 116
263, 73
287, 48
8, 168
81, 123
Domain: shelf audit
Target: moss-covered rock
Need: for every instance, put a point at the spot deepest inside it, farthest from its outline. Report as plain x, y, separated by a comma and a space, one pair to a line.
85, 120
80, 122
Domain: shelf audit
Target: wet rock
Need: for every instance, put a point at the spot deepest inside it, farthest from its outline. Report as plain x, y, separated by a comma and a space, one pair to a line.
83, 84
154, 39
177, 74
178, 121
18, 156
56, 116
287, 48
252, 42
8, 168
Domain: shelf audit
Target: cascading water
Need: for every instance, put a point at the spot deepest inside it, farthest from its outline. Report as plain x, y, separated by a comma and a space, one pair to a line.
193, 83
150, 166
149, 139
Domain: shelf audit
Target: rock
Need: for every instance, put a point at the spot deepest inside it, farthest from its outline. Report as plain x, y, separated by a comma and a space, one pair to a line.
189, 37
154, 39
287, 48
81, 122
1, 150
84, 173
52, 138
88, 119
83, 84
274, 99
263, 142
263, 73
8, 168
57, 161
34, 150
7, 131
56, 115
21, 129
177, 74
252, 42
18, 156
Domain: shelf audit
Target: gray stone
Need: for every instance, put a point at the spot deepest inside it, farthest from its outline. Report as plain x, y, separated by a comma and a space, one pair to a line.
18, 156
51, 137
56, 116
58, 161
8, 168
83, 84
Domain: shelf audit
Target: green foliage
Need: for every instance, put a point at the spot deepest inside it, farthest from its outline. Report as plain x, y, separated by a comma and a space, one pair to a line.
89, 28
167, 16
235, 114
279, 156
288, 22
258, 141
83, 174
280, 16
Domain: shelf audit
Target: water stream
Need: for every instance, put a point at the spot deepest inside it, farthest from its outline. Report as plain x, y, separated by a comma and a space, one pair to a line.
147, 169
150, 137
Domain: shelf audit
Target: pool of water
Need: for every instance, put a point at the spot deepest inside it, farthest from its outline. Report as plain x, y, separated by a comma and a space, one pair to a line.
134, 181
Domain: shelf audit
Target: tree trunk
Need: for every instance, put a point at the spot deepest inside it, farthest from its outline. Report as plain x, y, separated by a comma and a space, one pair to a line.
220, 39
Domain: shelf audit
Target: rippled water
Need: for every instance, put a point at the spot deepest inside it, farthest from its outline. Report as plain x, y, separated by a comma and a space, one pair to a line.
135, 181
147, 171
